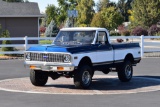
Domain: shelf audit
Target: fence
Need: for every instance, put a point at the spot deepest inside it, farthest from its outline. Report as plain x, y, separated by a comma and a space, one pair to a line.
146, 42
149, 44
25, 45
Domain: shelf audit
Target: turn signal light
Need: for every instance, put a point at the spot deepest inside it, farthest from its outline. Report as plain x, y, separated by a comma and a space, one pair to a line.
60, 68
32, 67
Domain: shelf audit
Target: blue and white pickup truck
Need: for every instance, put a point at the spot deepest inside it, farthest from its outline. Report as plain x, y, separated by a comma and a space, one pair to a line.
79, 52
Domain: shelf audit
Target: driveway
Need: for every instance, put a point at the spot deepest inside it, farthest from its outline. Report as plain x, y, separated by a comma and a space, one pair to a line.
148, 68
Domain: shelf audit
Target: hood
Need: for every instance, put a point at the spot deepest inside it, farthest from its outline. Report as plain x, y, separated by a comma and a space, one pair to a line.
54, 48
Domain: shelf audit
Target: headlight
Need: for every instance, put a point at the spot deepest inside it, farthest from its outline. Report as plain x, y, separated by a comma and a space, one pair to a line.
67, 58
28, 56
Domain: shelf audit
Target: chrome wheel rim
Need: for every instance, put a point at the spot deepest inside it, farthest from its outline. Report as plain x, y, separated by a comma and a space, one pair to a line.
128, 71
86, 78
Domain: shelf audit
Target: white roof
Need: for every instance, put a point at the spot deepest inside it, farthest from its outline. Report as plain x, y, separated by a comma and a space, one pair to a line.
82, 28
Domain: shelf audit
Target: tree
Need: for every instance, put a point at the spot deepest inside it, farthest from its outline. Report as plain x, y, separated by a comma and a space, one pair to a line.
85, 12
68, 23
98, 20
51, 13
26, 1
145, 12
52, 29
124, 6
104, 4
108, 18
128, 4
43, 21
14, 0
65, 5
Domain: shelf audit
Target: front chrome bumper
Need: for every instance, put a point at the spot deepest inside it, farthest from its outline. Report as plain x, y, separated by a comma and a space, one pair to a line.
49, 66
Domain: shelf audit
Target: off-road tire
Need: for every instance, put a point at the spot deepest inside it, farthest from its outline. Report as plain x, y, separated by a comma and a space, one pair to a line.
125, 71
83, 77
38, 78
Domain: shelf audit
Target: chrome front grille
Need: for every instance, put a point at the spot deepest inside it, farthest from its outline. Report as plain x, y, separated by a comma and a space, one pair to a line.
47, 57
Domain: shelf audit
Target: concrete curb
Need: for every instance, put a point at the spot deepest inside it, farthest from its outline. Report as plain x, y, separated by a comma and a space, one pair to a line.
11, 58
152, 54
102, 85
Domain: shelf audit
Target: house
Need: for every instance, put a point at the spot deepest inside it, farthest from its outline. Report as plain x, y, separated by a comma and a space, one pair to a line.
20, 19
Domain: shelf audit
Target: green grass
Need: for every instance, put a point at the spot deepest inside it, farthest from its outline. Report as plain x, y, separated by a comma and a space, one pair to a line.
45, 41
1, 54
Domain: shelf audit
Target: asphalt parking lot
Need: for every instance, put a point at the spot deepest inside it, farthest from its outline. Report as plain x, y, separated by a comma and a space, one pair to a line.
148, 68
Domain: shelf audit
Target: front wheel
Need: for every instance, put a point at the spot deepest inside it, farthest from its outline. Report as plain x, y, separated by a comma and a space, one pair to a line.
83, 77
38, 78
125, 72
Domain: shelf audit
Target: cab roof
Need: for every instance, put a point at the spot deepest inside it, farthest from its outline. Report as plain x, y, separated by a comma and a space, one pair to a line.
82, 29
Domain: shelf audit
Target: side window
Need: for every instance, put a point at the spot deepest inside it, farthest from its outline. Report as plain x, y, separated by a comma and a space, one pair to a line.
102, 37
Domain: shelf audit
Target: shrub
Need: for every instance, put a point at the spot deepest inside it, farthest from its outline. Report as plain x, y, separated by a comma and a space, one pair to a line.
7, 48
153, 30
42, 29
158, 24
0, 29
125, 33
113, 33
157, 34
138, 31
121, 28
5, 34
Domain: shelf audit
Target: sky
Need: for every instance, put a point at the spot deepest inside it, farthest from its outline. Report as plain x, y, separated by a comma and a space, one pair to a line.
44, 3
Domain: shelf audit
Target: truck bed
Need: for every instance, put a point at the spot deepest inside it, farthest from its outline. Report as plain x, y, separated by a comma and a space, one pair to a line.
124, 45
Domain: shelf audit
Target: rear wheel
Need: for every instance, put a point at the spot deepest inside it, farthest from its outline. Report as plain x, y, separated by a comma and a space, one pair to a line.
125, 72
38, 78
83, 77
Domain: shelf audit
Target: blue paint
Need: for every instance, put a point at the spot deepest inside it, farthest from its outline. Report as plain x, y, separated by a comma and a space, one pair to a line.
70, 49
82, 48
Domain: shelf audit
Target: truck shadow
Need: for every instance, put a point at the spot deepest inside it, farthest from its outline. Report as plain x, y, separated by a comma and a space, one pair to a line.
136, 83
106, 84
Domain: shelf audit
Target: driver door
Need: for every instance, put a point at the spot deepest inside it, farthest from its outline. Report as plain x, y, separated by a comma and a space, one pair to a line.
104, 49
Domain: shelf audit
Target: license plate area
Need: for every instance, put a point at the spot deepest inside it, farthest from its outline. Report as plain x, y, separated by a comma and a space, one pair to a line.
45, 68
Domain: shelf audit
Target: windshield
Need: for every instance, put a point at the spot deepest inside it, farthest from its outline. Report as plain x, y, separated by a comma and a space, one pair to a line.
74, 37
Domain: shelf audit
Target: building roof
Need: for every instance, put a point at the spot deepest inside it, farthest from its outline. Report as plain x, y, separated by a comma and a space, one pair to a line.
18, 9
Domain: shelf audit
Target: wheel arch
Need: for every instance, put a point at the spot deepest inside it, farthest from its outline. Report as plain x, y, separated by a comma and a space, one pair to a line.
129, 57
85, 60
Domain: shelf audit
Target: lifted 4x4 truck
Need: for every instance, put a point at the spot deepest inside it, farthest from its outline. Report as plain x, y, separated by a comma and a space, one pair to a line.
79, 52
